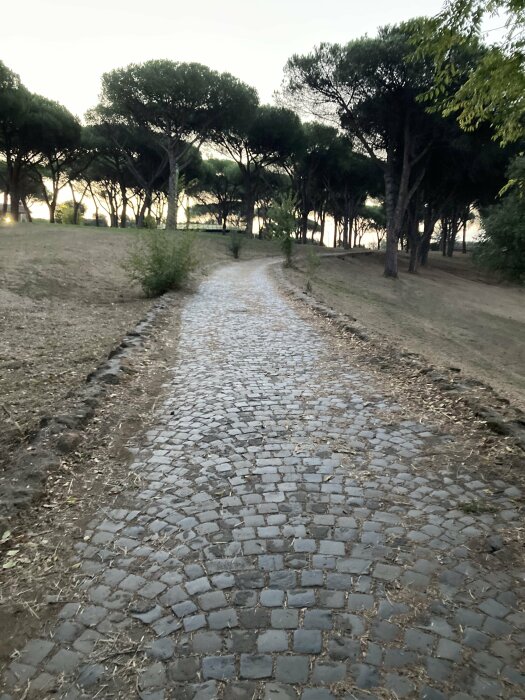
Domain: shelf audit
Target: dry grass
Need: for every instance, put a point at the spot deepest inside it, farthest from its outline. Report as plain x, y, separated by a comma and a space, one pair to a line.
449, 313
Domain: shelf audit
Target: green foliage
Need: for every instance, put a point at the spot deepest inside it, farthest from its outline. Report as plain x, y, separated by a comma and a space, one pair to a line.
312, 262
287, 249
178, 105
281, 216
493, 90
502, 245
161, 261
65, 213
283, 224
150, 222
235, 244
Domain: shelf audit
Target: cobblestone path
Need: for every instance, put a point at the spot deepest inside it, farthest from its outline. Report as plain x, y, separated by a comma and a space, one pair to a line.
288, 541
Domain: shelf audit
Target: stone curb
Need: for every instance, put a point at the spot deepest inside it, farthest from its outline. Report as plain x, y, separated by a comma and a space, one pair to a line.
58, 434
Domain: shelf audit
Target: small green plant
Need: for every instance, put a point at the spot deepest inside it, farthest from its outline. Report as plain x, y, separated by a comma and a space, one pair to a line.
283, 223
312, 263
235, 244
287, 249
65, 213
161, 261
477, 507
150, 222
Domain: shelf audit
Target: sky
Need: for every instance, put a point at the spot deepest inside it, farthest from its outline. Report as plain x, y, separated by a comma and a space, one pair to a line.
61, 48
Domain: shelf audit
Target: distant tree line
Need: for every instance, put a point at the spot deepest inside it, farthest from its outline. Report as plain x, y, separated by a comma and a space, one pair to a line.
380, 150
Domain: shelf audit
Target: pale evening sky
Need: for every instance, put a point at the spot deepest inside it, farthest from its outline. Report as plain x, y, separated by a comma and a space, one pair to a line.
60, 48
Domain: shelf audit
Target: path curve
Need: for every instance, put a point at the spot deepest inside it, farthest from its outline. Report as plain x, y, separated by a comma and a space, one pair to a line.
288, 541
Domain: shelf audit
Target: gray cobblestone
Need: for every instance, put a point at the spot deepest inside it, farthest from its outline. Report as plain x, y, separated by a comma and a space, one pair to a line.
291, 530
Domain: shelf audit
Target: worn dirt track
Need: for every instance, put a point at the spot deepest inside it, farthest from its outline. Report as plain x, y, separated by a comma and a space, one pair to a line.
292, 536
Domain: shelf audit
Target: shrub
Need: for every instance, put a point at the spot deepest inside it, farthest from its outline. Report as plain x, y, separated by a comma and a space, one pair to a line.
150, 222
235, 245
312, 263
502, 244
65, 213
161, 261
283, 224
287, 249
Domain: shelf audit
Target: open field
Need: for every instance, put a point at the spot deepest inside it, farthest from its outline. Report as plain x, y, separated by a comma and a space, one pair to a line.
450, 313
65, 301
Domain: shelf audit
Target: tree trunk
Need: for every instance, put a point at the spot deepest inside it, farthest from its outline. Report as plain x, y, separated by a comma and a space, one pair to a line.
52, 211
124, 212
444, 236
173, 190
304, 226
249, 212
464, 242
145, 208
452, 236
392, 228
414, 257
26, 210
336, 226
429, 223
76, 213
323, 221
413, 239
14, 192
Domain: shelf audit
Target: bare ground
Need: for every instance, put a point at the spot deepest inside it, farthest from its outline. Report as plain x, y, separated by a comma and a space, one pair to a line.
449, 313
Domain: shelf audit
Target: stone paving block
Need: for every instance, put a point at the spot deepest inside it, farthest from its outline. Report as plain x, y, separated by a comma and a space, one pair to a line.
184, 609
272, 641
240, 690
318, 619
207, 642
64, 661
278, 691
161, 649
360, 601
256, 666
212, 600
301, 598
284, 619
331, 599
448, 649
242, 641
418, 641
194, 622
184, 669
91, 675
399, 685
386, 572
354, 565
328, 672
218, 667
307, 641
35, 651
254, 619
292, 669
20, 673
198, 585
272, 598
317, 694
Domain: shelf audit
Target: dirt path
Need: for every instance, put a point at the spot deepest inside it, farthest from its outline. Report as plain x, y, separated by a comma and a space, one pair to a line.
292, 536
